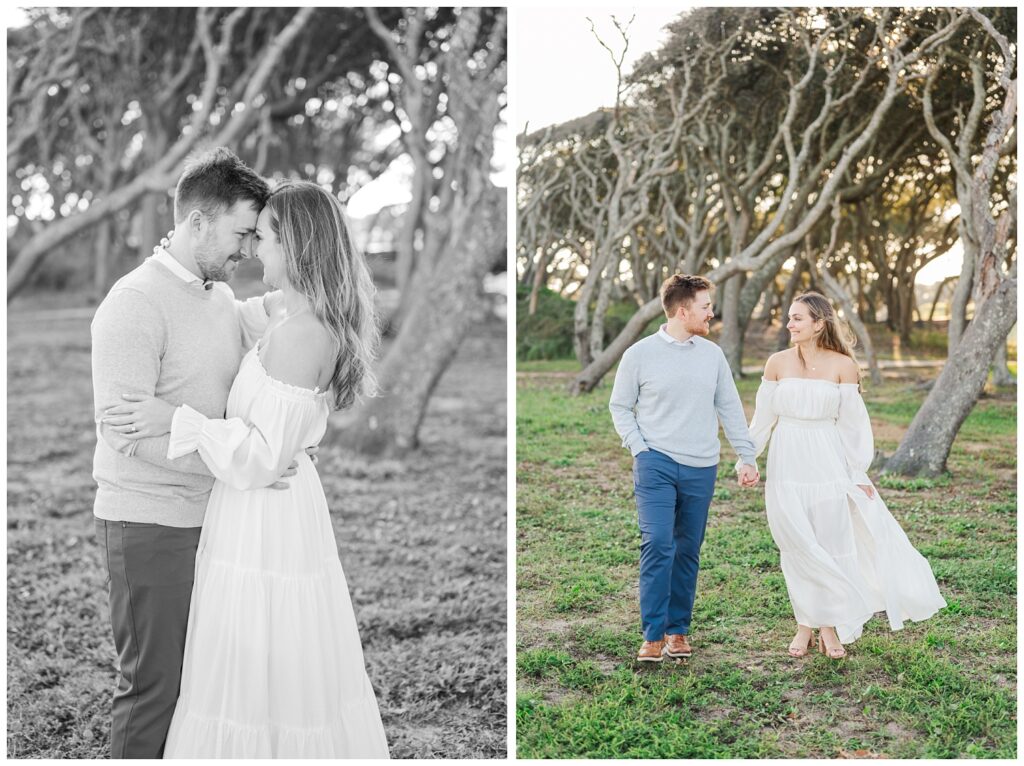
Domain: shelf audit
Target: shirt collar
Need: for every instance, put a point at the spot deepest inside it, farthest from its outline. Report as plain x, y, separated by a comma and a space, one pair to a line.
164, 258
663, 334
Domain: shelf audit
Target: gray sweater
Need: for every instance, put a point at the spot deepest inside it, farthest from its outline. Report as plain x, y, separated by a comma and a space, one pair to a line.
670, 395
156, 334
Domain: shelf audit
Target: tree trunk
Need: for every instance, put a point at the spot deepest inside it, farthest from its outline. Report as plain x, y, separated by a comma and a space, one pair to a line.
1001, 375
440, 314
771, 295
581, 312
925, 448
591, 375
604, 297
731, 338
539, 277
103, 256
961, 297
792, 285
938, 294
149, 225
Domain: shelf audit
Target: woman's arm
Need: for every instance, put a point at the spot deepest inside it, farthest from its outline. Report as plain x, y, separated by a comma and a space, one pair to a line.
247, 455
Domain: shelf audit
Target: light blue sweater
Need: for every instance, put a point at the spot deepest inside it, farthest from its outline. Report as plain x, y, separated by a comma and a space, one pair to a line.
670, 395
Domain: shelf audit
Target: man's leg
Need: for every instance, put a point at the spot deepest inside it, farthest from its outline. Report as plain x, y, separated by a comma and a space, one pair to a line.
653, 477
151, 569
695, 488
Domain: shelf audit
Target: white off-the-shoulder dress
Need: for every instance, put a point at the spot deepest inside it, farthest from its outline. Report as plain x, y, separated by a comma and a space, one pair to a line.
273, 662
843, 555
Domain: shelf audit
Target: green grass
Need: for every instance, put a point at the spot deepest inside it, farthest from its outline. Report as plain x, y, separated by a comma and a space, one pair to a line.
944, 688
423, 542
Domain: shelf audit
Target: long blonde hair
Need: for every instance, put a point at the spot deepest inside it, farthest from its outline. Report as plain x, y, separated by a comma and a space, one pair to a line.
835, 335
322, 262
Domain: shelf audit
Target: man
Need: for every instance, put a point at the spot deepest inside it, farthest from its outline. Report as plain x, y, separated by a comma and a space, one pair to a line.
670, 391
170, 328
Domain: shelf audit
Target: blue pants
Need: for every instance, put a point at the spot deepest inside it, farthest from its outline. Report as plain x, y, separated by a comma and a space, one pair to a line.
672, 502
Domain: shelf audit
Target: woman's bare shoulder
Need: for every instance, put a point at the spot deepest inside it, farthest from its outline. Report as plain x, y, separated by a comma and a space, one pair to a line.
776, 365
297, 350
847, 368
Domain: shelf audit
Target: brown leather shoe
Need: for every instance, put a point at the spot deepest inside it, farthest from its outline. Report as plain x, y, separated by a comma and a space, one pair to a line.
678, 645
651, 651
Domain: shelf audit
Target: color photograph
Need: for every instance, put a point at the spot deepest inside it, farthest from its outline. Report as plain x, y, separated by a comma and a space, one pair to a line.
766, 382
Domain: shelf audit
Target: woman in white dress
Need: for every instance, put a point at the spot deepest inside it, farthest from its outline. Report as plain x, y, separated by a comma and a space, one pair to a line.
273, 662
843, 555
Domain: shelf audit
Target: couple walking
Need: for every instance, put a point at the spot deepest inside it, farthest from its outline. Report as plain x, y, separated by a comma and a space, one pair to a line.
224, 572
844, 557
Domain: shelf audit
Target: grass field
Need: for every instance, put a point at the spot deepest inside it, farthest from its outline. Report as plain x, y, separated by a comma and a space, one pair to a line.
422, 540
945, 688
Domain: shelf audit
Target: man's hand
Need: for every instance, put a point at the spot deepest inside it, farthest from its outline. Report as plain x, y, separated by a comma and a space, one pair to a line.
293, 469
867, 489
748, 476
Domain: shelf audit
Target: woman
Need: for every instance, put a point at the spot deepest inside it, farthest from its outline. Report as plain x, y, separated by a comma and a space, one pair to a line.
273, 663
843, 555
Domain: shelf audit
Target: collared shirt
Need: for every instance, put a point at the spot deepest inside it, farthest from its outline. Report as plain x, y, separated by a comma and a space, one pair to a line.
167, 260
664, 335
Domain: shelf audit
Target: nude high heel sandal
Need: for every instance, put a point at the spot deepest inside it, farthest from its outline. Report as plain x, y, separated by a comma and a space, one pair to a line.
832, 654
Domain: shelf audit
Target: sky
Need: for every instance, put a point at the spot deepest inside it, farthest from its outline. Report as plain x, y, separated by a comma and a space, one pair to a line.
560, 71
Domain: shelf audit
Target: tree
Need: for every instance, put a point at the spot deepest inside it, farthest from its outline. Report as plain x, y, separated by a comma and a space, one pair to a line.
462, 217
184, 78
990, 224
803, 194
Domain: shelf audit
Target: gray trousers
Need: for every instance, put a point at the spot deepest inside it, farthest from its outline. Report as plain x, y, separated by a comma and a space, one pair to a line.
151, 568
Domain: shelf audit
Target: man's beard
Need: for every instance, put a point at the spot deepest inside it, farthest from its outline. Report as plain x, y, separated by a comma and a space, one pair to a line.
700, 329
210, 272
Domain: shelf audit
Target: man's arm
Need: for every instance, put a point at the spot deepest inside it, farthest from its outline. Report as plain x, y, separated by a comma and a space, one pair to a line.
625, 393
128, 339
730, 413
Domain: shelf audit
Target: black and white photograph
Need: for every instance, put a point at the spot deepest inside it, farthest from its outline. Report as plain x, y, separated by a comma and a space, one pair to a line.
257, 307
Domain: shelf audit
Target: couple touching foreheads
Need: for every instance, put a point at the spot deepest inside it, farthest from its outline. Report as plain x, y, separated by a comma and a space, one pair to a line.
844, 557
224, 574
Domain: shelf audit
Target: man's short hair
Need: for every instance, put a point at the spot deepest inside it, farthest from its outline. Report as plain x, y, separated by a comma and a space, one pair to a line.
680, 290
214, 181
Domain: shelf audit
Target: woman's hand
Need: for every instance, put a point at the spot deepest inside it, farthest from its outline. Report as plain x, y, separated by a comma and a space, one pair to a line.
868, 489
144, 416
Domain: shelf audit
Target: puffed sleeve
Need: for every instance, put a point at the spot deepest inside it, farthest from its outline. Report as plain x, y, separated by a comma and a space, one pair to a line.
855, 432
251, 455
763, 422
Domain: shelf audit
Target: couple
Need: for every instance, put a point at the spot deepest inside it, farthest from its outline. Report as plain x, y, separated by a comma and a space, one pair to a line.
207, 409
843, 555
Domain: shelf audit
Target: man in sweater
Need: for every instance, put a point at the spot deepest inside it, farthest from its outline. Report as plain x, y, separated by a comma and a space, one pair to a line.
170, 328
671, 389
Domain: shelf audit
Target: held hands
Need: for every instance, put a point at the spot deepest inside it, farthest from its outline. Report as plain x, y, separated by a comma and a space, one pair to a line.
748, 476
141, 417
